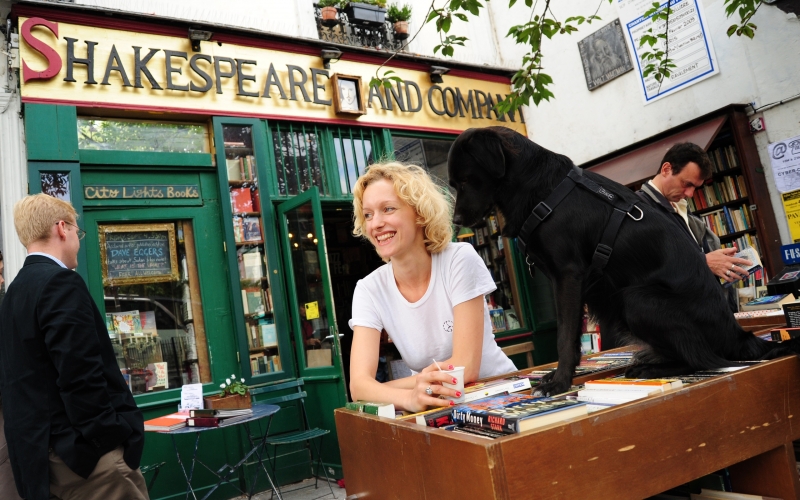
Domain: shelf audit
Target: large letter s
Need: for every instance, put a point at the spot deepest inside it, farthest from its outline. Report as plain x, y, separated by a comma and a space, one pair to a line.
53, 59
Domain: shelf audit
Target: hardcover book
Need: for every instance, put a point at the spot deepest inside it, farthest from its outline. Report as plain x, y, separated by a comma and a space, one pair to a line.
251, 229
202, 422
166, 423
631, 384
768, 302
379, 409
516, 413
220, 413
241, 200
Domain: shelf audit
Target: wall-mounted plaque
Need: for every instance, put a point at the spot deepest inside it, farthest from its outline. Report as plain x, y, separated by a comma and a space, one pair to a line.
138, 253
604, 55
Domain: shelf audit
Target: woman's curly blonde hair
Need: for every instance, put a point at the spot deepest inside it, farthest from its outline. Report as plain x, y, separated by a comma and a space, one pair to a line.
432, 202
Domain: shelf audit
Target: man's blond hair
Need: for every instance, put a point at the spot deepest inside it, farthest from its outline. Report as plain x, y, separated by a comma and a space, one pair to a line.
36, 214
432, 202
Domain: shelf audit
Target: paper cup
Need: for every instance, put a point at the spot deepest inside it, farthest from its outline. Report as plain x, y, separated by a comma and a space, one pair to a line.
458, 374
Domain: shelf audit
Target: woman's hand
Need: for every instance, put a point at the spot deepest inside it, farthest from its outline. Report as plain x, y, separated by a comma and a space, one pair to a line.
419, 399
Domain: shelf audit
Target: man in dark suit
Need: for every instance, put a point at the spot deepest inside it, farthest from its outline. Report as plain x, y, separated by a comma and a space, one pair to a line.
72, 425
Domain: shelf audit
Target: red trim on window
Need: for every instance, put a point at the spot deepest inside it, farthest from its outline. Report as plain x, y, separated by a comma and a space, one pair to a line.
248, 40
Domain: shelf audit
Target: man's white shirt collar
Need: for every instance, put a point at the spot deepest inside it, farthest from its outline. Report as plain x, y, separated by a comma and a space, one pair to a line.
49, 257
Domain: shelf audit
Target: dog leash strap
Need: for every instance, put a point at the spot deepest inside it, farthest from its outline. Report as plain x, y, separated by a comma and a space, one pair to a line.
602, 253
545, 208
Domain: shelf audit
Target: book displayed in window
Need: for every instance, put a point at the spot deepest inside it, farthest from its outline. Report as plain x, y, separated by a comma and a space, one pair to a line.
242, 168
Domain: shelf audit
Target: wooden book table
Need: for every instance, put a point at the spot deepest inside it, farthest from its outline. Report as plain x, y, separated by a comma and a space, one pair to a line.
745, 420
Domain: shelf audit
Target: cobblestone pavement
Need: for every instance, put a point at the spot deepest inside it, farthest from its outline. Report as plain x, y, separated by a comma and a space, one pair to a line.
294, 492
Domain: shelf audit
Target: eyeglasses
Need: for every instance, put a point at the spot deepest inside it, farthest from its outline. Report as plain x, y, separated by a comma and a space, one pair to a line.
81, 232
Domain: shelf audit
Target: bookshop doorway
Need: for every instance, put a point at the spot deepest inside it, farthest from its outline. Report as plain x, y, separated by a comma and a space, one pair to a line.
349, 260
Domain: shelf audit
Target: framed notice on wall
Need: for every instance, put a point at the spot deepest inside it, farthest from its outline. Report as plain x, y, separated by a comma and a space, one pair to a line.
138, 253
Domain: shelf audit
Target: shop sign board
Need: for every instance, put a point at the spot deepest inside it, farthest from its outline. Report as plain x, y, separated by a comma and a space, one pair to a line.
138, 253
100, 67
140, 191
690, 47
791, 206
785, 159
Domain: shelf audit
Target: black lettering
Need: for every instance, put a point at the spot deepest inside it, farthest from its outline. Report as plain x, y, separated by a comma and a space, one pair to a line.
411, 107
115, 64
300, 84
201, 73
463, 105
316, 86
446, 102
169, 54
140, 66
72, 60
241, 77
272, 79
511, 114
397, 96
430, 99
490, 106
374, 91
480, 104
220, 74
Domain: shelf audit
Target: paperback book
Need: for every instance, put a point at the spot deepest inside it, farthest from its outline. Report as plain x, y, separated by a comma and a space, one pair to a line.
379, 409
482, 390
512, 414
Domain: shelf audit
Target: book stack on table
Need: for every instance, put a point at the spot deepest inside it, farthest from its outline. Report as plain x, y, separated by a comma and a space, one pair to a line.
196, 418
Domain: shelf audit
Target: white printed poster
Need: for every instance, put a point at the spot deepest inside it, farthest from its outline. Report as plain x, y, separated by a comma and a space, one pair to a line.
690, 46
785, 158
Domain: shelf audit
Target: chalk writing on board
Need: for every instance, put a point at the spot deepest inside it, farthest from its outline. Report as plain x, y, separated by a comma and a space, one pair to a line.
138, 253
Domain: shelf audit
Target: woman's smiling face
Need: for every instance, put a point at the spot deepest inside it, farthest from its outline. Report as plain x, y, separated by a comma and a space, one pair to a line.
391, 223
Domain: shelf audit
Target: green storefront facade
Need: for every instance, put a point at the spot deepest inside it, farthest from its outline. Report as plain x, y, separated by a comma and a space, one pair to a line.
256, 214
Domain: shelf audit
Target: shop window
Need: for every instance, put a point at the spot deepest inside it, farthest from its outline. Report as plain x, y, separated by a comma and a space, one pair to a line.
109, 134
297, 159
154, 311
428, 153
354, 153
55, 184
245, 198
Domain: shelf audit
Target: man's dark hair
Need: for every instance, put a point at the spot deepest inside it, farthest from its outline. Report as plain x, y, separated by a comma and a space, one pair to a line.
683, 153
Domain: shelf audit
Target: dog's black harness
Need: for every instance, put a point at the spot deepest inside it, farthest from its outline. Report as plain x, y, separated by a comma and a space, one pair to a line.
543, 210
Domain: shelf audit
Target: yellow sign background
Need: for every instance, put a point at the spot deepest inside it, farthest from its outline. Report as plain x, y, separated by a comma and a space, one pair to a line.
115, 95
791, 205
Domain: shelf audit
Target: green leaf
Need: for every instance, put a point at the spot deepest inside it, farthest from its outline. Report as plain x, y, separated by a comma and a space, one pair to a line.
436, 49
387, 84
461, 16
432, 15
446, 24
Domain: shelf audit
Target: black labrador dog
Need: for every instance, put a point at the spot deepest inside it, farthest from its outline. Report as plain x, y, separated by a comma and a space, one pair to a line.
656, 286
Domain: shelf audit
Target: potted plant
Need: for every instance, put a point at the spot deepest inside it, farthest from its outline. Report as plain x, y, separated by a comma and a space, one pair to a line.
399, 16
234, 394
366, 12
329, 12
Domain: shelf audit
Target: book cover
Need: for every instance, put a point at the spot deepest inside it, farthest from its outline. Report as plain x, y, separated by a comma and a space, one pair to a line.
238, 230
379, 409
251, 263
232, 166
241, 200
781, 334
202, 422
768, 302
127, 323
791, 312
437, 417
269, 335
613, 397
498, 318
255, 303
167, 422
516, 413
478, 432
481, 390
251, 229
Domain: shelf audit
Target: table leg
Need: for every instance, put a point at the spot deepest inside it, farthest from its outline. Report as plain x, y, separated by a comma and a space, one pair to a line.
180, 462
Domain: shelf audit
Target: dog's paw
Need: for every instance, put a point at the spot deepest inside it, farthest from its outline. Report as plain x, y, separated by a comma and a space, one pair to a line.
551, 388
548, 377
638, 371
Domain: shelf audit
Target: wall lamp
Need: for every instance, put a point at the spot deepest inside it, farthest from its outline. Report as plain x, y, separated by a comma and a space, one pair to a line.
197, 36
437, 72
328, 55
465, 233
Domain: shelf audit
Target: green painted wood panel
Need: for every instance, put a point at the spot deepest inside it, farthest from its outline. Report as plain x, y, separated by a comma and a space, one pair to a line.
51, 132
145, 158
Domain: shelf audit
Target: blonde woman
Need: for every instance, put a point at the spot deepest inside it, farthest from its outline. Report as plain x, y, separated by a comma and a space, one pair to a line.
429, 297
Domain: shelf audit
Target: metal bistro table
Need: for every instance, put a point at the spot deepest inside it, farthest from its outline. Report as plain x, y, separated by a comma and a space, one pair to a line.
225, 473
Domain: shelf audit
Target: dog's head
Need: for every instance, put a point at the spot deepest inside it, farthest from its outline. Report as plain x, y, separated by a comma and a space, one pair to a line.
475, 165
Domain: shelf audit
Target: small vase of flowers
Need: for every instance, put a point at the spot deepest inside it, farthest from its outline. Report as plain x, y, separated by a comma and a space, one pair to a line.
234, 394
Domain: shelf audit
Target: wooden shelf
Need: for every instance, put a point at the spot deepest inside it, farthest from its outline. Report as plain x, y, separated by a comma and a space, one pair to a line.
250, 183
249, 243
726, 173
739, 233
738, 201
247, 214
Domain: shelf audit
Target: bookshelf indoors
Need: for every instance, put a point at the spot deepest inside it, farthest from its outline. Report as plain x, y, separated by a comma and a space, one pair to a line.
242, 173
493, 248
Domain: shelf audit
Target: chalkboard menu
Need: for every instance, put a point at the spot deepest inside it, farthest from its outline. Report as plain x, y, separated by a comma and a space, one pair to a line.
138, 253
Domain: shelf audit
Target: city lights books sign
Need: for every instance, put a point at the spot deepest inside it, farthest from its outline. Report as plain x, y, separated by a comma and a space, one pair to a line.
66, 63
690, 48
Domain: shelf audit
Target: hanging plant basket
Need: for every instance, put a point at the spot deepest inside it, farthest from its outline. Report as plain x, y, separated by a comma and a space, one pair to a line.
234, 401
330, 16
401, 30
365, 14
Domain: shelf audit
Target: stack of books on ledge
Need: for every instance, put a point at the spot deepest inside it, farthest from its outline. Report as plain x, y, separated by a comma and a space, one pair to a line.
604, 393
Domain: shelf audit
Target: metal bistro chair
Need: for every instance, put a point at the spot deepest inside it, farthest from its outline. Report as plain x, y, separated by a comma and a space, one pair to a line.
305, 434
154, 468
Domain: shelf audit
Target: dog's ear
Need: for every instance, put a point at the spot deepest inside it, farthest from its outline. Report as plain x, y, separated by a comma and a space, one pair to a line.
486, 147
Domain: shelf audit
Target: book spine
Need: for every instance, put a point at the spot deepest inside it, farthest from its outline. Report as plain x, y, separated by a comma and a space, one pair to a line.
485, 421
202, 422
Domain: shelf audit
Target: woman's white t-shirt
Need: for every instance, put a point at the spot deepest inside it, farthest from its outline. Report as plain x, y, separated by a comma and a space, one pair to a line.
423, 330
